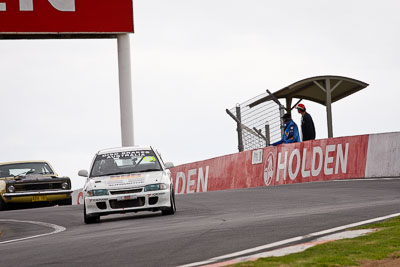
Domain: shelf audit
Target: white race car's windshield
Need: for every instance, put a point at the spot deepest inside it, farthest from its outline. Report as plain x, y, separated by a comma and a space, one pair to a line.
23, 169
125, 162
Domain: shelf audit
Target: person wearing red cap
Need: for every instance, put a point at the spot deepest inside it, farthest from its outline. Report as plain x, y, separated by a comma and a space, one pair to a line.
307, 123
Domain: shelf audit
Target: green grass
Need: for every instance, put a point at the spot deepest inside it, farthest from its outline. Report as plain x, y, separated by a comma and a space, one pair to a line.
347, 252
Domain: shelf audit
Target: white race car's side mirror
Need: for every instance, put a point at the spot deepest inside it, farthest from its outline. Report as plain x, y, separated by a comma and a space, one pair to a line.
169, 165
83, 173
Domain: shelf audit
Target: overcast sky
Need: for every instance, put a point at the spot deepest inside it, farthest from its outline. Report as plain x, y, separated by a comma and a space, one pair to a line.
190, 61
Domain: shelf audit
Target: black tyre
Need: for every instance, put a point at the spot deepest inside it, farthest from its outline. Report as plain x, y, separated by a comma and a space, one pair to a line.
65, 202
172, 209
2, 204
89, 218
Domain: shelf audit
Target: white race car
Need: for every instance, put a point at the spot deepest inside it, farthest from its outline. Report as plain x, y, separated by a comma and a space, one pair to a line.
127, 179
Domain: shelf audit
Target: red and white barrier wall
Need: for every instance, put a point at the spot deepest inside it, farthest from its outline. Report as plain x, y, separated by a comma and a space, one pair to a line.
375, 155
318, 160
77, 197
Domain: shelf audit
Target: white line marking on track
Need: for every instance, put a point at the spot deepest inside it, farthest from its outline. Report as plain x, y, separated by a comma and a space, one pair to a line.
57, 229
288, 241
364, 179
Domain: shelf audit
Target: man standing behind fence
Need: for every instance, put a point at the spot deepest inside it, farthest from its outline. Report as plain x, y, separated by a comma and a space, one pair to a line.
291, 133
307, 123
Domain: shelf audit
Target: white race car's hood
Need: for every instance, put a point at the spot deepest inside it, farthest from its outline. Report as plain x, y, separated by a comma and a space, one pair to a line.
128, 180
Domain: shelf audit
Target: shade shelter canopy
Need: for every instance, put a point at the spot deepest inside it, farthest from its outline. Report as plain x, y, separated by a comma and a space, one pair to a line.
324, 90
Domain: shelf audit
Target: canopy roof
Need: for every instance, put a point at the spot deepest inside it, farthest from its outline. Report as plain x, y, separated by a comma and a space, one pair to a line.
314, 89
324, 90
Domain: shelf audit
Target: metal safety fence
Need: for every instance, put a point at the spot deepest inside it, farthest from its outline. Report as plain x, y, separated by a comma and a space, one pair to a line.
258, 126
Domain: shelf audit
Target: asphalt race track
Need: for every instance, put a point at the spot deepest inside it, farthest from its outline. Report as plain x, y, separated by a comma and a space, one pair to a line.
206, 225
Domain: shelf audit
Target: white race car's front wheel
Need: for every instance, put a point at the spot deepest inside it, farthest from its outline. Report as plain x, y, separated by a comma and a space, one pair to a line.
89, 218
172, 209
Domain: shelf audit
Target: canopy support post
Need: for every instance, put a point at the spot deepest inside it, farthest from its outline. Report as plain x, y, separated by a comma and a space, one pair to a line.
289, 105
329, 107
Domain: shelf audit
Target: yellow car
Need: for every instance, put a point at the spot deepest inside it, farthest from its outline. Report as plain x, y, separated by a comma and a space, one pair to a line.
33, 182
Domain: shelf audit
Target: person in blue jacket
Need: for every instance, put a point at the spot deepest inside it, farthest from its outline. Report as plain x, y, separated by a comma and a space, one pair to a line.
291, 133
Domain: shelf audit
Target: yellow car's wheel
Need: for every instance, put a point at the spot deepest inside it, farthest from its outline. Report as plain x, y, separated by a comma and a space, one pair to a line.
2, 204
65, 202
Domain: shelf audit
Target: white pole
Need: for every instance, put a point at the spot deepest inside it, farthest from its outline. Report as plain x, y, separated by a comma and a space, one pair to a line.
125, 89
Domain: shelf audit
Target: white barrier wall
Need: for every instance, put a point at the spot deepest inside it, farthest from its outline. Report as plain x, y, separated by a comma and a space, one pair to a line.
383, 156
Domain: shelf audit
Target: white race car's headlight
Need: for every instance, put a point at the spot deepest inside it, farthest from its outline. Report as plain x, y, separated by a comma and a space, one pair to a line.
154, 187
97, 192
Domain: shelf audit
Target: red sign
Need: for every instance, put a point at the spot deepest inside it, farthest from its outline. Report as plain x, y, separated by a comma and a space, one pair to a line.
66, 16
311, 161
320, 160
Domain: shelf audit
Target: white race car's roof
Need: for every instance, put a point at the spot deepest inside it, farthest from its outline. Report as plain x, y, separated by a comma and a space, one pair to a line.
126, 148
